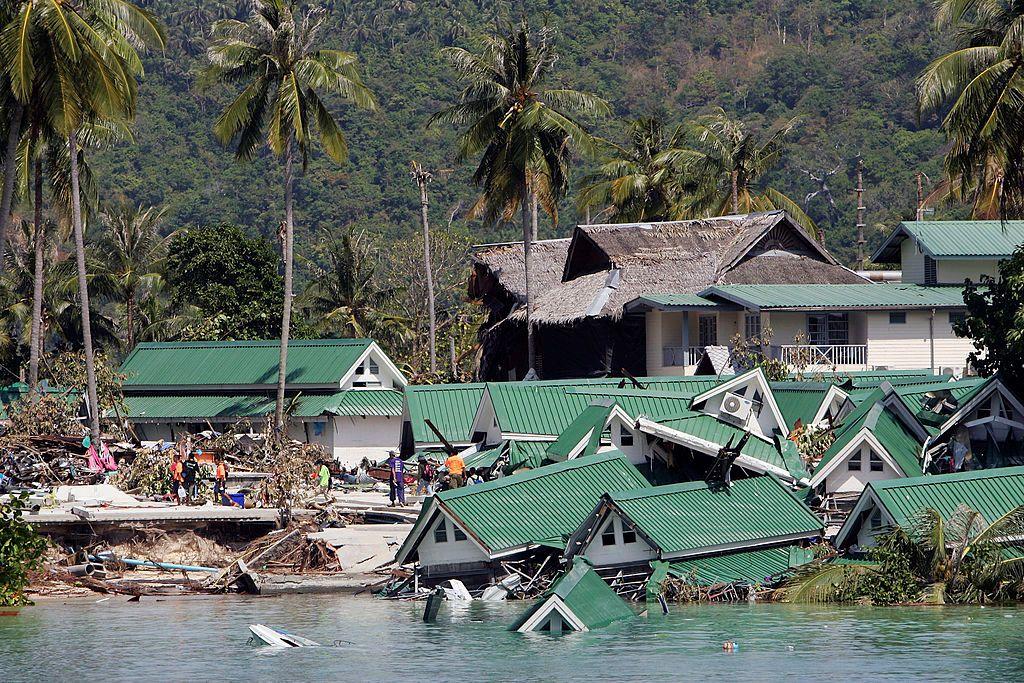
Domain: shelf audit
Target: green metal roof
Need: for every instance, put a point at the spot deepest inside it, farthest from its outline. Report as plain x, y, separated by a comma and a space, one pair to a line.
751, 567
321, 362
710, 429
19, 391
530, 507
450, 407
526, 455
955, 239
586, 595
671, 302
636, 402
220, 407
695, 517
992, 493
896, 437
963, 390
798, 403
587, 428
839, 297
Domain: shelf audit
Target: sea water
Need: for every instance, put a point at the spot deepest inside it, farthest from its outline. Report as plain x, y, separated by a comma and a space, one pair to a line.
207, 638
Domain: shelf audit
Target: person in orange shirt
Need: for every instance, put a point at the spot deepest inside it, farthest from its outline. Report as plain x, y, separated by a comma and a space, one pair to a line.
176, 477
220, 480
457, 469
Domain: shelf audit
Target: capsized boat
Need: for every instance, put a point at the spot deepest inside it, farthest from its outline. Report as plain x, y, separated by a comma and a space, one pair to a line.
279, 638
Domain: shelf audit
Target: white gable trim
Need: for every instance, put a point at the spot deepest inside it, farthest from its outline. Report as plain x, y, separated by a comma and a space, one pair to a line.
484, 407
552, 604
865, 435
970, 406
867, 502
399, 378
766, 390
833, 393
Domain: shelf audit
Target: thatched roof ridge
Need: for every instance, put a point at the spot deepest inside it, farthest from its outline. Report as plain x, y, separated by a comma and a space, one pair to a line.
782, 268
505, 262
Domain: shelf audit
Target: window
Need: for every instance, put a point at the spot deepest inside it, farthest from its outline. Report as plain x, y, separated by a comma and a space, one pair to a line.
957, 318
897, 317
707, 330
478, 437
985, 410
360, 369
876, 462
930, 276
459, 535
608, 535
625, 436
752, 325
853, 464
628, 535
828, 328
374, 368
441, 532
876, 520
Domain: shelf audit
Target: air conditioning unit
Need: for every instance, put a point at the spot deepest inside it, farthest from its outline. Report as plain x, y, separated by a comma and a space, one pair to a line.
735, 408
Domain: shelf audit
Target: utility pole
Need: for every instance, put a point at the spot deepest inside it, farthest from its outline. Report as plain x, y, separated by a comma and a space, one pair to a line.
860, 214
920, 198
422, 177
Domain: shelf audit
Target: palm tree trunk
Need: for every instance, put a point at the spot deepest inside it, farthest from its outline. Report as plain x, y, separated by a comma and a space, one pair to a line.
35, 336
735, 192
129, 306
421, 180
527, 248
10, 164
83, 288
286, 313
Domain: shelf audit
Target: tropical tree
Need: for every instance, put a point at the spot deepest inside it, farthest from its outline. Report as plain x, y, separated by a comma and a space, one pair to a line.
523, 130
732, 160
347, 297
131, 255
642, 181
276, 55
86, 56
982, 81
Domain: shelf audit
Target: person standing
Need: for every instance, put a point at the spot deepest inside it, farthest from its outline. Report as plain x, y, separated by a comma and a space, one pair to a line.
220, 480
396, 478
323, 477
424, 477
456, 467
176, 478
190, 475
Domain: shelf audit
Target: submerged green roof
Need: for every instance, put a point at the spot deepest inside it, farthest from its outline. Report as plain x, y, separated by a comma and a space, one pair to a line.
697, 518
450, 407
751, 567
220, 407
531, 507
955, 239
321, 362
586, 595
844, 297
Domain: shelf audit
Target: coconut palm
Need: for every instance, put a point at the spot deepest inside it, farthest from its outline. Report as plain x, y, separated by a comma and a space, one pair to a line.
275, 54
131, 255
982, 81
346, 298
85, 55
523, 130
637, 182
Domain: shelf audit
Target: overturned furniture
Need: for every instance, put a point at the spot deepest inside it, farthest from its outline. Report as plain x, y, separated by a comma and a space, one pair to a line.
578, 601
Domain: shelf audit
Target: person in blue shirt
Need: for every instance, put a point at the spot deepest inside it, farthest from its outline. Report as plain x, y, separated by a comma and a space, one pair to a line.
396, 478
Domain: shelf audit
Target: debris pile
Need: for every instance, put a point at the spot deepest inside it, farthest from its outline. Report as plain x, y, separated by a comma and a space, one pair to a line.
32, 461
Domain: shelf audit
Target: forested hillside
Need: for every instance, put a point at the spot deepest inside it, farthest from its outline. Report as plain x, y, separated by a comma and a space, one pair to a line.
846, 66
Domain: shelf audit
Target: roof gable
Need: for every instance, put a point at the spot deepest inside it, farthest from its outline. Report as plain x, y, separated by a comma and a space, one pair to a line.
450, 407
322, 363
750, 383
985, 240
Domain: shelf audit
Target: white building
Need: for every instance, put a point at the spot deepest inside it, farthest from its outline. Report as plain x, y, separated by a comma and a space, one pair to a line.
345, 394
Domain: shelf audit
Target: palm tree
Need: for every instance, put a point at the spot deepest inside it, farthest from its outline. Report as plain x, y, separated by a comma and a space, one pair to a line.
346, 298
132, 256
523, 130
86, 55
275, 53
640, 182
982, 80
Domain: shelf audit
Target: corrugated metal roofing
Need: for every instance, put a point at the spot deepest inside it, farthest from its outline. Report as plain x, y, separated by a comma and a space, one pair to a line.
992, 493
962, 390
636, 402
897, 439
541, 504
670, 302
797, 403
356, 402
450, 407
752, 567
310, 362
690, 518
955, 239
844, 297
19, 390
587, 427
586, 595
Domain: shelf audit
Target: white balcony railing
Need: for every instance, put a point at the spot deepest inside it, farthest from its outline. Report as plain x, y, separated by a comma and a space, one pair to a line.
681, 356
829, 355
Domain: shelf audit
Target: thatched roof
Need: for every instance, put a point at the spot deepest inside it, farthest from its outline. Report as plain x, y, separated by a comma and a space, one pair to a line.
505, 263
605, 266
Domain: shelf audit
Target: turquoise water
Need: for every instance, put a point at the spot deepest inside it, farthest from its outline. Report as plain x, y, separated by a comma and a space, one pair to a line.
206, 639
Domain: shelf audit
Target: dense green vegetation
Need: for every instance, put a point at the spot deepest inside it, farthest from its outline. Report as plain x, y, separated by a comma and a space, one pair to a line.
847, 68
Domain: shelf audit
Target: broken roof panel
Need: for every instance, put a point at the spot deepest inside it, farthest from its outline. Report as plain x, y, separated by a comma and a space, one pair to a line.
583, 435
590, 602
751, 567
450, 407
